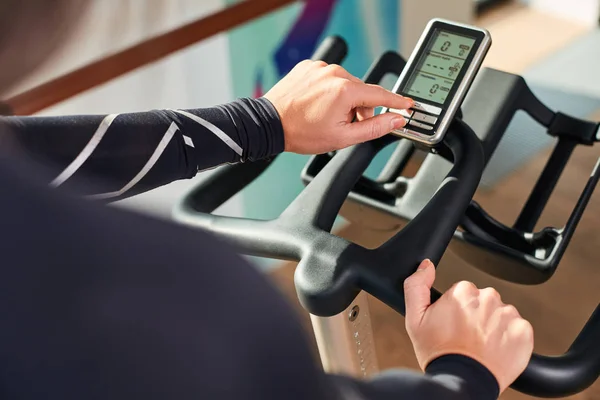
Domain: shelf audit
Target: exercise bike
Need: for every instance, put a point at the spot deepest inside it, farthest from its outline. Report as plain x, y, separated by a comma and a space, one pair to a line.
437, 214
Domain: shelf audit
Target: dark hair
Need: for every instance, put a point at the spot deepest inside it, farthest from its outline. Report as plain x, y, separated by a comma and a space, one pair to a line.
30, 30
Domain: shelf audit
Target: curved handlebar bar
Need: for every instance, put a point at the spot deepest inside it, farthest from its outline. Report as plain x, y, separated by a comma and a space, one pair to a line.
568, 374
332, 270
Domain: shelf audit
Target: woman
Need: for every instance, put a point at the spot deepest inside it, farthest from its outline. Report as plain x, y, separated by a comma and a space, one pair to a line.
100, 303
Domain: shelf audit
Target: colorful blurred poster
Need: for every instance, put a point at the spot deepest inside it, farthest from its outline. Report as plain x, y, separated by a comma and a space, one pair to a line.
263, 51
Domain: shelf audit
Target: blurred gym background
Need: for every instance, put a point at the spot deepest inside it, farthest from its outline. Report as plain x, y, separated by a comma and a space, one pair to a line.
207, 52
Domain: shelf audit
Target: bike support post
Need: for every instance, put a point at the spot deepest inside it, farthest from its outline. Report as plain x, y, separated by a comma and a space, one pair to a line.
345, 341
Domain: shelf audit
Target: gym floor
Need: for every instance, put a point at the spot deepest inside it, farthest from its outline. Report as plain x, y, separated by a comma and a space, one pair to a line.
523, 39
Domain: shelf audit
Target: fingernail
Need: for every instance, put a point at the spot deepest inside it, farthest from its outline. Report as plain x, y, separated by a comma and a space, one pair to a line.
398, 122
425, 264
411, 103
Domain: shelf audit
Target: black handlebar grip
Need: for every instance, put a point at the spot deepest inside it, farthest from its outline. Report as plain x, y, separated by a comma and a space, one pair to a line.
428, 234
332, 50
568, 374
225, 183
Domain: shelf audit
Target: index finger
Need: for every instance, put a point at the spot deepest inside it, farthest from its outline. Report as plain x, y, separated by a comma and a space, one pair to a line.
371, 96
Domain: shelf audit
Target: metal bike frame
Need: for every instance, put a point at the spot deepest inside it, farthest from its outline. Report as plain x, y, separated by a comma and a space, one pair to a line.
345, 341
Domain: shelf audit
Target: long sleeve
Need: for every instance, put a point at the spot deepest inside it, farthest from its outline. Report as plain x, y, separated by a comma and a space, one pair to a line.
451, 377
120, 155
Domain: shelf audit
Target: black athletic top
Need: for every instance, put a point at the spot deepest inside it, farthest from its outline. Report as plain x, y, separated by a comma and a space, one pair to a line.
103, 303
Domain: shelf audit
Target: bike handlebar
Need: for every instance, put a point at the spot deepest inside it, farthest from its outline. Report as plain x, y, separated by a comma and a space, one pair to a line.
332, 271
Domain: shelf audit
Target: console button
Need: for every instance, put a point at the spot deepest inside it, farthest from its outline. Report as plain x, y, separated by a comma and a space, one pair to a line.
400, 131
427, 108
404, 113
430, 119
420, 125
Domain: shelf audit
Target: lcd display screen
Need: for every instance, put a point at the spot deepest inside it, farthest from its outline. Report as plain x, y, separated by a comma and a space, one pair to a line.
439, 66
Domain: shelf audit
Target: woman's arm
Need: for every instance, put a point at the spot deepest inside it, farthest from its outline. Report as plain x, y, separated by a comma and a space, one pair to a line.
126, 154
316, 108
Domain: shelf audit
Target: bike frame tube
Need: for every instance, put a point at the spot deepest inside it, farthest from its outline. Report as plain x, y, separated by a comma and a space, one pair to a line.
345, 341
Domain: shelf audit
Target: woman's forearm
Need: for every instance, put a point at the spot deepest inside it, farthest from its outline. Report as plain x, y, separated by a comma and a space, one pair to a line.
120, 155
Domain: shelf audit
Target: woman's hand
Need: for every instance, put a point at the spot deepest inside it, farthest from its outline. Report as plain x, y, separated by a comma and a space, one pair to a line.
318, 102
468, 321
